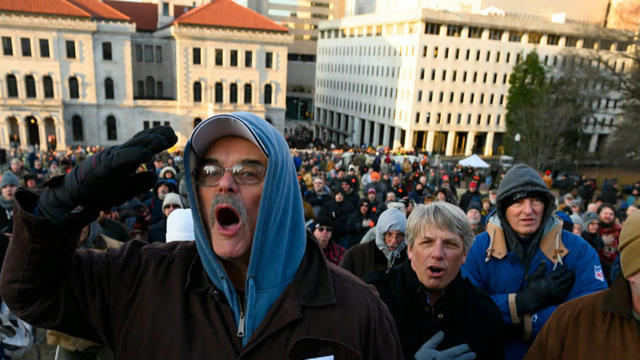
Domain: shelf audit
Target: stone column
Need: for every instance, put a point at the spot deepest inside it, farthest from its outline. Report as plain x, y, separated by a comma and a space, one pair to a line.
471, 135
367, 131
488, 145
42, 135
22, 130
385, 136
376, 134
593, 143
430, 137
408, 140
354, 125
451, 137
396, 137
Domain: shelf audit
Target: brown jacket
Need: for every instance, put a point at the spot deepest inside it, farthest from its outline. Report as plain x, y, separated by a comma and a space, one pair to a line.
154, 301
596, 326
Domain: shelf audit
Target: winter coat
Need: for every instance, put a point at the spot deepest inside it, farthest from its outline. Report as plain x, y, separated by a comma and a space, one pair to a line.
113, 298
338, 213
597, 326
499, 272
158, 231
464, 313
366, 258
467, 198
354, 227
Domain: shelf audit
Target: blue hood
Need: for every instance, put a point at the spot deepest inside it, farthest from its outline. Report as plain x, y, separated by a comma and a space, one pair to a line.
279, 240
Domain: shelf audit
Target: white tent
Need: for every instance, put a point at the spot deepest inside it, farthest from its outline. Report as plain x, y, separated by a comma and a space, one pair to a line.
473, 161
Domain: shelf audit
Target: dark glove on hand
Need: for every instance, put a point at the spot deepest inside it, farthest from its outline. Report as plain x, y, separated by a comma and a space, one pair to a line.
543, 291
105, 179
428, 350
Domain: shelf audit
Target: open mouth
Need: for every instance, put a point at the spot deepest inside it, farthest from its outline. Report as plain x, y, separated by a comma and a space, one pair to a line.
227, 219
435, 271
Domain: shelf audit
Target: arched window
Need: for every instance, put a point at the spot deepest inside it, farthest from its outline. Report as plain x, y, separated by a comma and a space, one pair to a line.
76, 128
219, 92
47, 84
112, 130
197, 91
150, 87
233, 93
74, 91
12, 86
108, 88
247, 93
30, 86
267, 94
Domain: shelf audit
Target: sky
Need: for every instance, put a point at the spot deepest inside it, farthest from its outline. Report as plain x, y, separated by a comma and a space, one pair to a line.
589, 10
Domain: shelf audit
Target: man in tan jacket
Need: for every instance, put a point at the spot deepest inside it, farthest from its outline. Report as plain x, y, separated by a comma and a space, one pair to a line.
603, 324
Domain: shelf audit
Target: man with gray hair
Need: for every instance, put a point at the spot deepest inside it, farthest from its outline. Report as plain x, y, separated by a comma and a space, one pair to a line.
438, 314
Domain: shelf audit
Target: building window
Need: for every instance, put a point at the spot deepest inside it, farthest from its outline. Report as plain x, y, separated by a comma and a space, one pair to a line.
26, 46
515, 36
218, 94
47, 84
30, 86
454, 30
112, 131
106, 51
148, 53
267, 94
76, 128
165, 9
553, 39
44, 48
432, 29
233, 58
159, 90
268, 60
475, 32
495, 34
197, 92
218, 57
248, 58
196, 56
7, 46
71, 49
150, 87
247, 93
233, 93
140, 89
570, 41
108, 88
74, 89
139, 53
534, 37
12, 86
158, 53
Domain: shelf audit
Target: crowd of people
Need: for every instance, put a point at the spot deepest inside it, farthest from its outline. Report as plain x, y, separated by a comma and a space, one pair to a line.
466, 263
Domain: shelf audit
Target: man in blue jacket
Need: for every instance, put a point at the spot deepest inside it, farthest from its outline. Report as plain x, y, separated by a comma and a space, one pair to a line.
526, 262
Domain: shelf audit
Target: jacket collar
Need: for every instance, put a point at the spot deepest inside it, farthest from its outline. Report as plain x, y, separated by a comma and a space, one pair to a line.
313, 285
618, 299
453, 293
550, 244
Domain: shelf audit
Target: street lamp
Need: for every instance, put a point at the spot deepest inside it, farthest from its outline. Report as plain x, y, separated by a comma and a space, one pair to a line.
515, 148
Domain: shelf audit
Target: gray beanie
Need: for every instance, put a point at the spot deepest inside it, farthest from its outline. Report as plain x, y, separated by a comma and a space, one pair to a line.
588, 217
8, 179
577, 220
171, 198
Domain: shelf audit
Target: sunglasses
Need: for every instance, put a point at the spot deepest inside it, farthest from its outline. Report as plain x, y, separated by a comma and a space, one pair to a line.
324, 228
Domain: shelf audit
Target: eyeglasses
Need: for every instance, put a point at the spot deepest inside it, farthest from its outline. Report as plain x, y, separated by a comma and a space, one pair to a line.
243, 173
324, 228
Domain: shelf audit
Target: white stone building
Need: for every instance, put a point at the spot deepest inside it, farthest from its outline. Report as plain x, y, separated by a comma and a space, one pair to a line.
86, 72
438, 81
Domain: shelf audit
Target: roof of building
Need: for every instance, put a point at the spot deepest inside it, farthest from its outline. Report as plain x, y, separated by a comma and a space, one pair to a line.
75, 8
228, 14
144, 15
99, 10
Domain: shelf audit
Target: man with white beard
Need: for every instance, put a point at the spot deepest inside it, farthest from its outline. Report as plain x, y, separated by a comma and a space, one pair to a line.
474, 216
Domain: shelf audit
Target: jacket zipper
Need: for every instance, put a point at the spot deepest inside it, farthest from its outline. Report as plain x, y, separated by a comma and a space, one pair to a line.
240, 333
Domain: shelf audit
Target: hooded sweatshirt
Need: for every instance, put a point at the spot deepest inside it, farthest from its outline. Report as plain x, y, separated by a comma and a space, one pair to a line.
279, 239
519, 180
390, 219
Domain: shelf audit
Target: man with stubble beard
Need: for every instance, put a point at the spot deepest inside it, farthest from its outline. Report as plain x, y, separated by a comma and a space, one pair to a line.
253, 285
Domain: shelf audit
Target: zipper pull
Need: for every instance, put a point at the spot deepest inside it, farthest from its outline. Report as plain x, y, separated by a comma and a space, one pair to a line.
240, 333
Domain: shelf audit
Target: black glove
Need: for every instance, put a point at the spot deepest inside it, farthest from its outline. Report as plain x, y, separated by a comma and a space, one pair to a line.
542, 291
105, 179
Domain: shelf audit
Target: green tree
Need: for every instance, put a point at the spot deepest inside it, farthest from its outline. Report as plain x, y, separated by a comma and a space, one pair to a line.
546, 107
